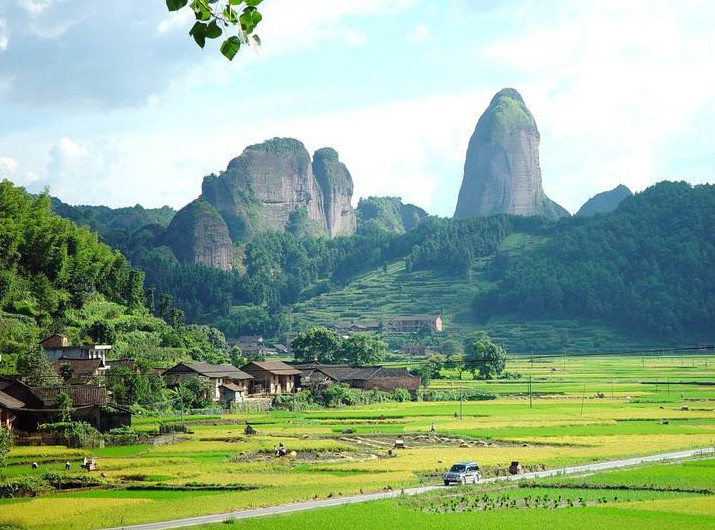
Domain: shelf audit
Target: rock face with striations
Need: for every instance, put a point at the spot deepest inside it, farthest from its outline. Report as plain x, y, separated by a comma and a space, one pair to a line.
198, 234
604, 202
272, 186
264, 186
501, 171
336, 186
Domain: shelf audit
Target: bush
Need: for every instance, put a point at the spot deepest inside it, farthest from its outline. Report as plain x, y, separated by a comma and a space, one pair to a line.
74, 433
27, 486
168, 428
454, 395
401, 394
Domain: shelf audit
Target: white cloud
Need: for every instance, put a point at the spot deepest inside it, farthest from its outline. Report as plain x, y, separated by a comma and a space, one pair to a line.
291, 26
3, 35
609, 83
420, 33
8, 165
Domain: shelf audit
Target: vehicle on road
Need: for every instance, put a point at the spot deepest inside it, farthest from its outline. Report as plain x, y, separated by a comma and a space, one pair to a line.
462, 473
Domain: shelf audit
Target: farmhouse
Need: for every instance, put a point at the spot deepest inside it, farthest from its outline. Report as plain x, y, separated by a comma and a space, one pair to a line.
411, 324
272, 377
24, 407
57, 347
80, 371
219, 375
364, 377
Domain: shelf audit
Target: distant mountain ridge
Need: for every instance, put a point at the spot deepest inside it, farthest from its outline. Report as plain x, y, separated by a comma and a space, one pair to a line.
604, 202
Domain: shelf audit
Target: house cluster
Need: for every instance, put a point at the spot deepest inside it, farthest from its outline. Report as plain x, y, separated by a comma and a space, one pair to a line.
398, 324
380, 378
232, 385
255, 346
81, 369
24, 407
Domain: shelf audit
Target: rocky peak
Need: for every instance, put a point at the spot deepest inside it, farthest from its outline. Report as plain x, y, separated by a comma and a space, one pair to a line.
604, 202
501, 171
198, 234
336, 186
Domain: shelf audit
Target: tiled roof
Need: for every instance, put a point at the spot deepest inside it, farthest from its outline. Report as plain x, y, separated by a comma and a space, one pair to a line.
275, 367
10, 402
80, 367
81, 395
232, 387
214, 371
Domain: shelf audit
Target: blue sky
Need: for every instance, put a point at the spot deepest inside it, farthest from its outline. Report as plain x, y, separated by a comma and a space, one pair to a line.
112, 103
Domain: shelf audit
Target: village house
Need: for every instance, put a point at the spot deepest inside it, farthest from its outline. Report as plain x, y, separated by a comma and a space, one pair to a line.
414, 323
229, 384
363, 377
80, 371
57, 347
23, 407
272, 377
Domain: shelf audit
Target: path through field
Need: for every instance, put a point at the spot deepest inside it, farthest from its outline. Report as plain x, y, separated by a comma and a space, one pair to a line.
277, 510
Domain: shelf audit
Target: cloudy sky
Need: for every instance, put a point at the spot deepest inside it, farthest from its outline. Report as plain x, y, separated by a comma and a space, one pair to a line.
112, 103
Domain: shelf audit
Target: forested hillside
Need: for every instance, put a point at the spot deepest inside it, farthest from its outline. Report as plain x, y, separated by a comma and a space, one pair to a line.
647, 265
643, 267
56, 277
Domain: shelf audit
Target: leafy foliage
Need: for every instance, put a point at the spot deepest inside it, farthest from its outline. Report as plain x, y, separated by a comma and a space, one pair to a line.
48, 265
214, 17
35, 369
486, 359
322, 345
5, 444
646, 265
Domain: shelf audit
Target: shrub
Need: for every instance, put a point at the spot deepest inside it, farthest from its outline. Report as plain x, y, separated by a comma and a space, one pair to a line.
74, 433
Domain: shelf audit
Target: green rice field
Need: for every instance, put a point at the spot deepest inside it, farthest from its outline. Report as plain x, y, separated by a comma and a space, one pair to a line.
580, 410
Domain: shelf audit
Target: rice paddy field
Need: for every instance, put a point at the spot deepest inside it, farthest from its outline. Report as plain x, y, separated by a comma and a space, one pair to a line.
580, 410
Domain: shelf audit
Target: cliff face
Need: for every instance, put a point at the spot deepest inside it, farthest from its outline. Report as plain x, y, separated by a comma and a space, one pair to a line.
272, 186
263, 186
336, 186
501, 171
604, 202
198, 234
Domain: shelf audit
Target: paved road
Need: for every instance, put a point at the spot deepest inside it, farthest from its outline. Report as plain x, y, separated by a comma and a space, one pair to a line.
276, 510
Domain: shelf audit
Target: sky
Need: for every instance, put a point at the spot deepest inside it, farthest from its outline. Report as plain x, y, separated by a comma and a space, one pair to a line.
112, 102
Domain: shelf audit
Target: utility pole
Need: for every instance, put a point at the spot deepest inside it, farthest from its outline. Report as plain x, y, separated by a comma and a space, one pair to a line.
583, 399
530, 402
461, 403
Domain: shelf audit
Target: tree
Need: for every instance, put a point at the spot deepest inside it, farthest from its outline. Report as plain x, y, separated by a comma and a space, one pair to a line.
102, 333
485, 358
318, 344
434, 364
196, 393
64, 406
214, 17
66, 372
456, 361
5, 444
361, 348
34, 368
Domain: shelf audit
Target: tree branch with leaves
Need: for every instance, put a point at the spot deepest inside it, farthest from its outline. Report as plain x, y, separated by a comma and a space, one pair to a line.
217, 18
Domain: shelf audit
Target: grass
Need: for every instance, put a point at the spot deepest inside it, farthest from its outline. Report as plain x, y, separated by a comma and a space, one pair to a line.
504, 507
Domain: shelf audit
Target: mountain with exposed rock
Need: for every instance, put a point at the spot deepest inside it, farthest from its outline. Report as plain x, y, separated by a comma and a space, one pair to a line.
272, 186
501, 171
604, 202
